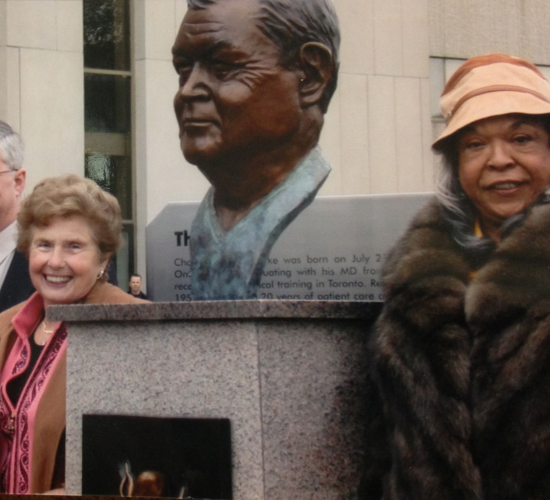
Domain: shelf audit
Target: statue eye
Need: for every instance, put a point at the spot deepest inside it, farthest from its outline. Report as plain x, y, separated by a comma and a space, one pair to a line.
221, 69
184, 72
183, 68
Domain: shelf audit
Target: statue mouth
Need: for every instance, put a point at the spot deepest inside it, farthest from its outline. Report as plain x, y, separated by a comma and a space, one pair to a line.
196, 124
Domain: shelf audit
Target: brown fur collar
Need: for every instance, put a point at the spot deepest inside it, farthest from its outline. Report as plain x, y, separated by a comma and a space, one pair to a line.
453, 358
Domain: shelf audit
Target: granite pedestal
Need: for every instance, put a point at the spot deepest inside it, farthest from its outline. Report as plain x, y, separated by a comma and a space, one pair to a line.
289, 375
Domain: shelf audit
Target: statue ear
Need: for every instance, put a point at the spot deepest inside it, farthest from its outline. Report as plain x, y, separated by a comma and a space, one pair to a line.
317, 65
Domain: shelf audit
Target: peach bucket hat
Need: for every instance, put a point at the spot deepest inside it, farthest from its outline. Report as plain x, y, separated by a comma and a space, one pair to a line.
492, 85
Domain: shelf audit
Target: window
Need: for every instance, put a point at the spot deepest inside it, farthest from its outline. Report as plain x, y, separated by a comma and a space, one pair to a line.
108, 112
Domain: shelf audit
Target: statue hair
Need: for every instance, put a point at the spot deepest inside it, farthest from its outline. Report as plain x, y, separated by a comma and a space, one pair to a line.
290, 24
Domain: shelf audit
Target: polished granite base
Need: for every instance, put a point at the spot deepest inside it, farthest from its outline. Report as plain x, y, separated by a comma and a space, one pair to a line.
289, 375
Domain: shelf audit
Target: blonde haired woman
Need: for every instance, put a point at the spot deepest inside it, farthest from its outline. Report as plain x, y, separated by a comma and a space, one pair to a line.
69, 228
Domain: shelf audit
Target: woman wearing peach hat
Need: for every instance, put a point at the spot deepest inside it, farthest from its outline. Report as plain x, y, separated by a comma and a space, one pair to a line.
461, 352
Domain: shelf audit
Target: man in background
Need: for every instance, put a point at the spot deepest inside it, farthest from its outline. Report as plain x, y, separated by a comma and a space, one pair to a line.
15, 283
135, 287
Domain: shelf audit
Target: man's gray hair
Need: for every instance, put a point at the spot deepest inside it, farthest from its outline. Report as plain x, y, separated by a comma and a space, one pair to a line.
11, 147
290, 24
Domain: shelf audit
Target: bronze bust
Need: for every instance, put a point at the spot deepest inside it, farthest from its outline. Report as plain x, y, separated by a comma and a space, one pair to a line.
255, 79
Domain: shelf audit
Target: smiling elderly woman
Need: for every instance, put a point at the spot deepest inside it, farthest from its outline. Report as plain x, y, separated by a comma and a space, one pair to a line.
69, 228
461, 352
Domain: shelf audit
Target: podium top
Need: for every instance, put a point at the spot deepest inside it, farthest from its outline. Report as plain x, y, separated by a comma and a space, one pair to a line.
209, 310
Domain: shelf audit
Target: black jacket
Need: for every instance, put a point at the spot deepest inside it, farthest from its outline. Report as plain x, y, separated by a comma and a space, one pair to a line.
461, 368
17, 285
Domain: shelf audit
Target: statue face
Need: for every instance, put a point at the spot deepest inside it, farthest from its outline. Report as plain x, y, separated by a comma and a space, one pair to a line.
234, 102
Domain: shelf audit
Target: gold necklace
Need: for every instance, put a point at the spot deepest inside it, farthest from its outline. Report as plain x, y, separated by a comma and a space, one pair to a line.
45, 329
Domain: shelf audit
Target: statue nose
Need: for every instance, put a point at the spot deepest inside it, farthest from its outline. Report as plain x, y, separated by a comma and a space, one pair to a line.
196, 83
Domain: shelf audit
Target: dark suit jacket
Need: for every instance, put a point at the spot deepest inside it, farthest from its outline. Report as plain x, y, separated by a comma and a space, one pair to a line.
17, 286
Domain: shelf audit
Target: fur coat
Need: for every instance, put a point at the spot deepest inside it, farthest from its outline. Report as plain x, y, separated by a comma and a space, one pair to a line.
461, 368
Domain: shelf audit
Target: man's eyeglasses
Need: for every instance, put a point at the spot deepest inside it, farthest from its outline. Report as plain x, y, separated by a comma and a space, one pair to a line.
7, 171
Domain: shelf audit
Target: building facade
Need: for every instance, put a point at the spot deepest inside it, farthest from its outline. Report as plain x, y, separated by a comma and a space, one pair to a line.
395, 57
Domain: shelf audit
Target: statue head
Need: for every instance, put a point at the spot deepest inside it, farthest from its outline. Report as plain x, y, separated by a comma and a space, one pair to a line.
255, 79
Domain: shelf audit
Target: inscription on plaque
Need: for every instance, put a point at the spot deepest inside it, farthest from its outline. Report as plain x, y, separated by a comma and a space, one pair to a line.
333, 251
319, 277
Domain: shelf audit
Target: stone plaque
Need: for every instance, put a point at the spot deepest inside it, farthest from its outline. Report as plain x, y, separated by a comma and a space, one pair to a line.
333, 251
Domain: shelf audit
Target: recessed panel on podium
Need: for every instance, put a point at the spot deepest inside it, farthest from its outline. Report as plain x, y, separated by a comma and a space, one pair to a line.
162, 457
